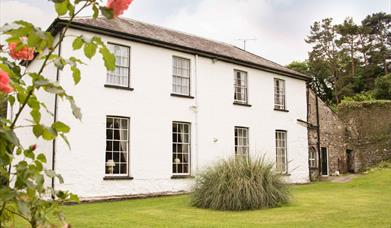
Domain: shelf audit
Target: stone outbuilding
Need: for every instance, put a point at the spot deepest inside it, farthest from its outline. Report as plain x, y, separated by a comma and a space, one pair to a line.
356, 137
326, 139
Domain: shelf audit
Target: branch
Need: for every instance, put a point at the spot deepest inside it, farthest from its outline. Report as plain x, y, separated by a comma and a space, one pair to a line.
62, 35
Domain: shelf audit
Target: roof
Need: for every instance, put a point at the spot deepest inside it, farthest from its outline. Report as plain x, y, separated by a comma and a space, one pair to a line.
168, 38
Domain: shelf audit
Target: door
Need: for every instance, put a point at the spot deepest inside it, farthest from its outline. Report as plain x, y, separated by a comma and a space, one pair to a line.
325, 161
349, 161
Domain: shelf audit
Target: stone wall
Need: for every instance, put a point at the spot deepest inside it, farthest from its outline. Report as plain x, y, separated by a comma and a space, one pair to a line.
368, 127
332, 135
362, 128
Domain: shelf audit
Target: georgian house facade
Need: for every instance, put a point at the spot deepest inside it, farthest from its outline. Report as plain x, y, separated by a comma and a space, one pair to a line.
175, 104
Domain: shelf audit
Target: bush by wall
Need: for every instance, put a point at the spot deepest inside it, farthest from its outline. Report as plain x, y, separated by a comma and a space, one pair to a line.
240, 184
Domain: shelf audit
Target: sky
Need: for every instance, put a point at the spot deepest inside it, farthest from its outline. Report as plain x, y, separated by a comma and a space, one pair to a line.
277, 28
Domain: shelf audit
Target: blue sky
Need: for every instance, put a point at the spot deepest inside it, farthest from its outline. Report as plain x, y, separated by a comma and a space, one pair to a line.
279, 26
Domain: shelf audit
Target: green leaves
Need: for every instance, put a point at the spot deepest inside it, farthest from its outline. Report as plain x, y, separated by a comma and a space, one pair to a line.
36, 115
90, 47
89, 50
77, 43
61, 7
108, 58
60, 127
106, 12
9, 135
75, 74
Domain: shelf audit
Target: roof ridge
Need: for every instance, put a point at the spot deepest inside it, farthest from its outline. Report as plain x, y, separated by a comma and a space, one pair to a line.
193, 42
177, 31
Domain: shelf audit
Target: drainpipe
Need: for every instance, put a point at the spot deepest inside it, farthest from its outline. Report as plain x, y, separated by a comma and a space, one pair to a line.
318, 132
54, 120
196, 112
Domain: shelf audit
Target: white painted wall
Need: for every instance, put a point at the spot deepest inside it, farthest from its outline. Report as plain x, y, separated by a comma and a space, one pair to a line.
151, 110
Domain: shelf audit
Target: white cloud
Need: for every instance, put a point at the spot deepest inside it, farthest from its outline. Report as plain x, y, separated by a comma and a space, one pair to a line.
29, 11
279, 26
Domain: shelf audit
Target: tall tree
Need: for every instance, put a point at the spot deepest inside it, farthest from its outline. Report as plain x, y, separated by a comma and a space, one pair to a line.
324, 52
379, 30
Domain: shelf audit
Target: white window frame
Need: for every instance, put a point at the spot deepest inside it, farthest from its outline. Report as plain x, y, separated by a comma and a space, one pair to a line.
281, 137
313, 158
121, 129
242, 141
279, 94
181, 72
113, 78
240, 87
177, 137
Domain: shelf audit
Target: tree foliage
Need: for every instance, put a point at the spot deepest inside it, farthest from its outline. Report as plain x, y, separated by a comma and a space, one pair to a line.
347, 58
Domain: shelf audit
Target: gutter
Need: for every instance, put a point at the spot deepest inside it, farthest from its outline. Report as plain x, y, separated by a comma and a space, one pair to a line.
59, 23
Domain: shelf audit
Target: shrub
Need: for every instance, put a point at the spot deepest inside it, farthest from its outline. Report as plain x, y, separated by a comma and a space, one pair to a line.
239, 184
383, 87
363, 96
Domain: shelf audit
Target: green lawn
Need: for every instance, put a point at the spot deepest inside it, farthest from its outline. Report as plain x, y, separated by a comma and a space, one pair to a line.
364, 202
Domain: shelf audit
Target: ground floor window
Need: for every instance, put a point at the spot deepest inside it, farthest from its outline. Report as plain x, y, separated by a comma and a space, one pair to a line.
241, 141
281, 151
181, 147
117, 145
313, 158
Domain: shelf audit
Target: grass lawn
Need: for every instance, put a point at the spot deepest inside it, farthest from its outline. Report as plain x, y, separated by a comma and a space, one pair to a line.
364, 202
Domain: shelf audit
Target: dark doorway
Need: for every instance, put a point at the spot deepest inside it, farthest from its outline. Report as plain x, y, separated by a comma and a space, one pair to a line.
325, 162
350, 161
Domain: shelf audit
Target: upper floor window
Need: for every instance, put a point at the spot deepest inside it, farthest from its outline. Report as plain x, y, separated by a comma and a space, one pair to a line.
241, 141
240, 83
117, 145
181, 76
181, 148
281, 151
279, 94
120, 76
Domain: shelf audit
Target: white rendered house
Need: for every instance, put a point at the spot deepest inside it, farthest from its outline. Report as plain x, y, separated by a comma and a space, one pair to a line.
175, 104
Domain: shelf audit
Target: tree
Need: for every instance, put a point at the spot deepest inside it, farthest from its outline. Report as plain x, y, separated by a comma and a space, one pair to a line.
347, 58
23, 191
383, 87
378, 27
324, 52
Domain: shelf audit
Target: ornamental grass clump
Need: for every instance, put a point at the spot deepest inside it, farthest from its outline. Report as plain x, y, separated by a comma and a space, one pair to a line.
240, 184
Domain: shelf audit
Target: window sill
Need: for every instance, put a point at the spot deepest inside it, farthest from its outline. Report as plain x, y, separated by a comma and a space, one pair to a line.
180, 95
117, 178
281, 110
242, 104
181, 177
118, 87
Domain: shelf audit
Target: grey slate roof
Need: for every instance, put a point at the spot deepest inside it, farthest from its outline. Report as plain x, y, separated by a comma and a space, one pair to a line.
153, 33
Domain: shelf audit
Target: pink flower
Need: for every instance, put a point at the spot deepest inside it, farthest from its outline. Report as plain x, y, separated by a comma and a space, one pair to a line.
118, 6
4, 82
26, 53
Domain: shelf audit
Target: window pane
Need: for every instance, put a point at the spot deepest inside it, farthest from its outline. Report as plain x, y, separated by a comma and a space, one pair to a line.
240, 87
241, 141
281, 150
120, 76
279, 94
181, 76
181, 147
116, 145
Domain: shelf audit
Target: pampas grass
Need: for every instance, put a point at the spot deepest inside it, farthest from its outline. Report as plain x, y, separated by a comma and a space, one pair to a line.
239, 184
